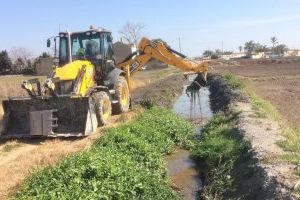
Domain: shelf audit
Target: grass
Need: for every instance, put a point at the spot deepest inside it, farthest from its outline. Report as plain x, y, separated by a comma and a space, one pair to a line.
217, 153
10, 146
10, 85
126, 163
264, 108
234, 82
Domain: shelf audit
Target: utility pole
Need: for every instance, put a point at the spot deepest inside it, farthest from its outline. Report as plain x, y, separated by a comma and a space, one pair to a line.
179, 43
222, 47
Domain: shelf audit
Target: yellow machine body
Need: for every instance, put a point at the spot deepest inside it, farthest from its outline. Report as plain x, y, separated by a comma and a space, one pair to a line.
70, 72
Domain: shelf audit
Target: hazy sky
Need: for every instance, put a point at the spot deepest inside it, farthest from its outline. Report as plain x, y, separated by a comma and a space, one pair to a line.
200, 24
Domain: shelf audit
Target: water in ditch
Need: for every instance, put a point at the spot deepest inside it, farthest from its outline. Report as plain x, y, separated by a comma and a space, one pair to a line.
194, 106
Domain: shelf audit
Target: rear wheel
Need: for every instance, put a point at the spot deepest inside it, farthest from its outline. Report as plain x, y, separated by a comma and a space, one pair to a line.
121, 95
102, 107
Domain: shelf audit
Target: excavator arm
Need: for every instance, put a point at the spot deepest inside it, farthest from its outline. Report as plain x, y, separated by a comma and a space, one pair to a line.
159, 50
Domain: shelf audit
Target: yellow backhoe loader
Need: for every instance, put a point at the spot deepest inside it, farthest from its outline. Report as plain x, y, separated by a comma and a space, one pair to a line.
86, 86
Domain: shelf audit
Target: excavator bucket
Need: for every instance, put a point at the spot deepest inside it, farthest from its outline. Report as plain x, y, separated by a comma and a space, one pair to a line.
53, 117
197, 82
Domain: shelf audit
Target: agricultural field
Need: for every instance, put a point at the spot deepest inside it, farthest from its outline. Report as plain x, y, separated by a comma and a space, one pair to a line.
10, 85
278, 83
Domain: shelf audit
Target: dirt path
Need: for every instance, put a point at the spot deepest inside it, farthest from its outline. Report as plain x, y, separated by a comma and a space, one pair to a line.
277, 178
19, 158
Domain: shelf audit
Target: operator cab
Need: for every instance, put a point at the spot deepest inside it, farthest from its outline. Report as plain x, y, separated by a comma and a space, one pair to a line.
95, 45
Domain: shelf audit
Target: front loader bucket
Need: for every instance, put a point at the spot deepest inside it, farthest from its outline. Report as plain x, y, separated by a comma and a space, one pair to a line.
60, 116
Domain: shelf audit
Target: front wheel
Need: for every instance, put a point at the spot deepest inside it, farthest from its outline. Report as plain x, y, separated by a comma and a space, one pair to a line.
122, 96
102, 107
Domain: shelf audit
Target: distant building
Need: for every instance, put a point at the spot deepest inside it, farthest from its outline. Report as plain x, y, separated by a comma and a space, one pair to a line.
292, 53
233, 55
122, 50
44, 66
258, 55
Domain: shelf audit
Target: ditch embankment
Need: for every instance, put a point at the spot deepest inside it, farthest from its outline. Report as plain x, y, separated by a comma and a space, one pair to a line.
239, 150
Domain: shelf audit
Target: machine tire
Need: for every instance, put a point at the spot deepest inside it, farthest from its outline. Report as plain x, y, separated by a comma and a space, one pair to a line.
102, 107
121, 95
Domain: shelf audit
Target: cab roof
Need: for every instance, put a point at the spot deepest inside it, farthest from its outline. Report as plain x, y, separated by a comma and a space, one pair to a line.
98, 30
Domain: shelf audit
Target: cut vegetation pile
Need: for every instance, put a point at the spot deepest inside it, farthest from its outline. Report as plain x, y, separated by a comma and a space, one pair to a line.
126, 163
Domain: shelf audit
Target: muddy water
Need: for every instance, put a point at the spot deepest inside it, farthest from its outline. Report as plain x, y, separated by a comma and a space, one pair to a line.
182, 170
183, 174
194, 106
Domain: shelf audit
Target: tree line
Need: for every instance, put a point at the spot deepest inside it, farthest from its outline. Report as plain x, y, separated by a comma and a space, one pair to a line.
19, 61
251, 47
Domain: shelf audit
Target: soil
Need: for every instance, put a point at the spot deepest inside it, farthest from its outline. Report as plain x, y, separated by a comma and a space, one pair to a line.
274, 179
277, 83
18, 161
261, 176
161, 92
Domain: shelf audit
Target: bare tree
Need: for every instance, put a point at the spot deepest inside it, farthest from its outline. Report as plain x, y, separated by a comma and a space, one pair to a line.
21, 58
20, 53
131, 32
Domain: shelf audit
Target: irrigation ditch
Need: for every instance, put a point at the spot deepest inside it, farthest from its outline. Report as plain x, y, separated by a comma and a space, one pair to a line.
201, 151
224, 162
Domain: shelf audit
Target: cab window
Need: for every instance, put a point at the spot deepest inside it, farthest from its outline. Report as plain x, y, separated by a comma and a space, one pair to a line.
108, 47
63, 50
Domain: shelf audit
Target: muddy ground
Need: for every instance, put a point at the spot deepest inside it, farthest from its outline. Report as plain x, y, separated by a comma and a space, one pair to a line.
18, 158
276, 82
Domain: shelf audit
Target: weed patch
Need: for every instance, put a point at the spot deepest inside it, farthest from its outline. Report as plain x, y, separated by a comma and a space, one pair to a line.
233, 81
126, 163
218, 151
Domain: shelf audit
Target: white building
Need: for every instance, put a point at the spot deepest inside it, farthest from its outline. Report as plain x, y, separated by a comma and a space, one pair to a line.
292, 53
233, 55
258, 55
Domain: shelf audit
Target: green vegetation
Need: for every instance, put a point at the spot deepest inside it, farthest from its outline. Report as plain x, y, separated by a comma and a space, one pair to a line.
234, 82
126, 163
218, 152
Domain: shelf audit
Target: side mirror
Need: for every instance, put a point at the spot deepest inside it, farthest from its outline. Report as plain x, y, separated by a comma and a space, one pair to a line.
48, 43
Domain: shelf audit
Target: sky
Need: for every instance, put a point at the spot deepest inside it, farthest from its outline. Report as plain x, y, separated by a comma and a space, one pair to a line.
200, 24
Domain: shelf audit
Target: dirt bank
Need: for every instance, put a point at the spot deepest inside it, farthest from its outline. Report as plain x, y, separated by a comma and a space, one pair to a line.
18, 158
261, 176
161, 92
